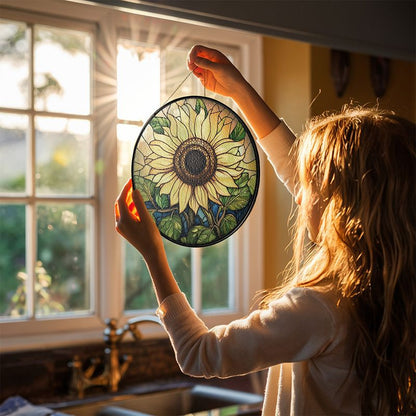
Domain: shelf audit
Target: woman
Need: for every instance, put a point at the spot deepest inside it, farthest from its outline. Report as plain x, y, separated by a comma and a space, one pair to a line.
339, 337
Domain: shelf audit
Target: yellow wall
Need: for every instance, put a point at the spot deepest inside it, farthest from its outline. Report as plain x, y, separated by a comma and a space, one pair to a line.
400, 92
286, 90
293, 74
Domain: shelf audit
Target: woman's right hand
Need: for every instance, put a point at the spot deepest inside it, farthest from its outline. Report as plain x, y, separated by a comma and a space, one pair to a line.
215, 71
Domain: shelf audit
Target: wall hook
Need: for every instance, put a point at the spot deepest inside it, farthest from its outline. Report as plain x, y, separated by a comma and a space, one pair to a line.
340, 70
380, 74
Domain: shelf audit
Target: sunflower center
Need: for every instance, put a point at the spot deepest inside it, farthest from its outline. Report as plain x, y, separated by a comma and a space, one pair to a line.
195, 161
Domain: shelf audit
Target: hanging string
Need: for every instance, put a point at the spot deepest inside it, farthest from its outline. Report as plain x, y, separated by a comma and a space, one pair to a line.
181, 83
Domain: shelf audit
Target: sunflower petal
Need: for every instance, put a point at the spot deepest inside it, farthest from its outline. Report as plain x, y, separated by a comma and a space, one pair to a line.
145, 171
201, 196
217, 137
185, 192
235, 173
198, 123
252, 166
161, 151
228, 160
173, 126
174, 193
212, 192
161, 163
206, 128
165, 144
226, 146
220, 189
225, 178
183, 132
167, 178
144, 147
184, 115
193, 204
192, 119
224, 132
213, 120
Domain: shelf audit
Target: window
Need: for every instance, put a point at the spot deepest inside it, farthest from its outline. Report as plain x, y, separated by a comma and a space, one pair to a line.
46, 158
75, 100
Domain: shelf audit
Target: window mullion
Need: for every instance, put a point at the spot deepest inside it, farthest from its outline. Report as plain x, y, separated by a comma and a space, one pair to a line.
196, 262
232, 287
109, 301
30, 178
31, 228
30, 258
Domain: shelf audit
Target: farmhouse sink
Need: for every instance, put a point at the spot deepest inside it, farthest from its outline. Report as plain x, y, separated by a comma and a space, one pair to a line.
175, 401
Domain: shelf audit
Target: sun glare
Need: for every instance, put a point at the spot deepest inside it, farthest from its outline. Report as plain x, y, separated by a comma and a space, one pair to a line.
138, 80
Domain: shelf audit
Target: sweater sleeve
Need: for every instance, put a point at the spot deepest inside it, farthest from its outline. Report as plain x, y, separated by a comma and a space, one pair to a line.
296, 327
277, 145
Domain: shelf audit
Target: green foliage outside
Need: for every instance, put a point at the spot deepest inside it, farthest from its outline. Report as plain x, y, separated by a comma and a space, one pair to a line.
61, 243
12, 253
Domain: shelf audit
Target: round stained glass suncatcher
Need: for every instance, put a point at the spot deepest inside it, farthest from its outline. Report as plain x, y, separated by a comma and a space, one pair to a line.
196, 165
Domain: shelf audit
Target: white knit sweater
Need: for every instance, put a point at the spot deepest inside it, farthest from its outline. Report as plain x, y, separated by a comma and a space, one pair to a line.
303, 338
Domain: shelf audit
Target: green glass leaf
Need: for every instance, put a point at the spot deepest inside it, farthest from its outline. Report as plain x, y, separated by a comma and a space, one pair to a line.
200, 235
146, 187
228, 224
252, 184
157, 124
200, 104
171, 227
242, 180
162, 200
239, 198
238, 132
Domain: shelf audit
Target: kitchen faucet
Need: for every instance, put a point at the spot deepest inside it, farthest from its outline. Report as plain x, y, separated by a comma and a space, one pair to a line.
113, 370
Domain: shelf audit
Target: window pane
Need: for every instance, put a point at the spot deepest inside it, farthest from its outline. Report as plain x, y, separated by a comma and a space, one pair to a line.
138, 80
62, 70
126, 139
215, 277
14, 64
12, 260
62, 156
179, 258
138, 287
13, 132
62, 269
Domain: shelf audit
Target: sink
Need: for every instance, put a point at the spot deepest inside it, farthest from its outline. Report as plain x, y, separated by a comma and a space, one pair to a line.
192, 399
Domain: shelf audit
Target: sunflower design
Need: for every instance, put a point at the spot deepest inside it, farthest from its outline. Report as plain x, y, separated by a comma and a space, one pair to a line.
190, 161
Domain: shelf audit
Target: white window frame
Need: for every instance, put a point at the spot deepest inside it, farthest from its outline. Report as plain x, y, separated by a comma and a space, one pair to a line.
246, 244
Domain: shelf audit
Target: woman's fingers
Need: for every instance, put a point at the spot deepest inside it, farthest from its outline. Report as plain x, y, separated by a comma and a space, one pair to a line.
124, 206
205, 64
203, 57
116, 211
138, 201
122, 198
130, 203
208, 53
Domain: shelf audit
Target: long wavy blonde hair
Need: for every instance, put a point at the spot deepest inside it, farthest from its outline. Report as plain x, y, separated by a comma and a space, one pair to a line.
362, 163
